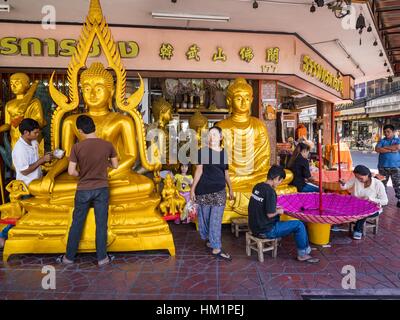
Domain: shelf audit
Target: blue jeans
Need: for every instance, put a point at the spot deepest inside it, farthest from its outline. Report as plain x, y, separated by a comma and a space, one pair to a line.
285, 228
210, 219
309, 188
4, 232
83, 200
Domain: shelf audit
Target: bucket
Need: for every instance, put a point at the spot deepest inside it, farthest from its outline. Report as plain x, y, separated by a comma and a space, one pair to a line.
319, 233
284, 217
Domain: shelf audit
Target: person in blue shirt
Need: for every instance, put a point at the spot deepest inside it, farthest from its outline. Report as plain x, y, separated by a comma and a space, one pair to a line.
389, 159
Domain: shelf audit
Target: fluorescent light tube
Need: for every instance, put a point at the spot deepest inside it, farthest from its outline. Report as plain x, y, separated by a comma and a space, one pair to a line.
184, 16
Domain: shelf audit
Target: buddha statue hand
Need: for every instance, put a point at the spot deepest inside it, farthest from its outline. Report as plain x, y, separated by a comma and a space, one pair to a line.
4, 127
47, 185
16, 121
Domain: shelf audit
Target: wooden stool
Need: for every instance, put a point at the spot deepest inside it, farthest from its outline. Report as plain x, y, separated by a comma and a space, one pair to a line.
261, 246
239, 225
370, 223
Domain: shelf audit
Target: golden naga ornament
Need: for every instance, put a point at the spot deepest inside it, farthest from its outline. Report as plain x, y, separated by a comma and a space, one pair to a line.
134, 220
247, 143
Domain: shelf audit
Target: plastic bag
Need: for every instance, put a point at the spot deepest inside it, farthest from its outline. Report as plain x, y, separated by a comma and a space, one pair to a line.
190, 212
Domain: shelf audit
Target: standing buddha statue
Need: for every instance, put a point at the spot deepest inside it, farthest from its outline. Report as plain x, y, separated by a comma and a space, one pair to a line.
23, 106
162, 113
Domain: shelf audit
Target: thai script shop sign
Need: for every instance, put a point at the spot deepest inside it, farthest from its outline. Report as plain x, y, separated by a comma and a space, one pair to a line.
64, 48
315, 70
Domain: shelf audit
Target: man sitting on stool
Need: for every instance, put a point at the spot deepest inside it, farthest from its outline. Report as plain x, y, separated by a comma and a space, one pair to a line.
264, 216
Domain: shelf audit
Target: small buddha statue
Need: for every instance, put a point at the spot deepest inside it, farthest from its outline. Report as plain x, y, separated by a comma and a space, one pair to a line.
162, 113
247, 143
13, 209
198, 123
173, 202
23, 106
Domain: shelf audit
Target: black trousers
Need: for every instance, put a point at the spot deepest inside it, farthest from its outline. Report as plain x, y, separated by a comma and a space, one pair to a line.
84, 199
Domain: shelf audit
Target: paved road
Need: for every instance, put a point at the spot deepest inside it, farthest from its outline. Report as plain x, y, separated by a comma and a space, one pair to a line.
368, 159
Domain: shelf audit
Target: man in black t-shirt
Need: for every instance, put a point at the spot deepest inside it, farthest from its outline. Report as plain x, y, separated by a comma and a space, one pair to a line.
264, 216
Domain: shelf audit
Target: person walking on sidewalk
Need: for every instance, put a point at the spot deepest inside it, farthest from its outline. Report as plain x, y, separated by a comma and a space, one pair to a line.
93, 156
389, 159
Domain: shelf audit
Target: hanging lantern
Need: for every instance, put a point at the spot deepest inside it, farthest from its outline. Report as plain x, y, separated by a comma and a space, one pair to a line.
360, 25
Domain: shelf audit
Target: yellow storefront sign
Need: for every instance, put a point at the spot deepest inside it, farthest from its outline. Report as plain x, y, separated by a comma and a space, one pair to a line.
315, 70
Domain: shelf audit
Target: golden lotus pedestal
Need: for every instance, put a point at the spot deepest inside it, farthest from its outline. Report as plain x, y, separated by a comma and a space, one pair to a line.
131, 227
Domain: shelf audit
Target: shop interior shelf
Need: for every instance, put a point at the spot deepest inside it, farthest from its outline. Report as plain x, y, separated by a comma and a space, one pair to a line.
202, 110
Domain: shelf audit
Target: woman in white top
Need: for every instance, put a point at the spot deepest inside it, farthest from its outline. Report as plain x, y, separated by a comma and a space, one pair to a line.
365, 187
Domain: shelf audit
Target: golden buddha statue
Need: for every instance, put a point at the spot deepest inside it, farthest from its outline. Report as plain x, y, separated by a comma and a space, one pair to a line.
198, 123
134, 219
98, 89
162, 113
14, 209
247, 143
172, 203
23, 106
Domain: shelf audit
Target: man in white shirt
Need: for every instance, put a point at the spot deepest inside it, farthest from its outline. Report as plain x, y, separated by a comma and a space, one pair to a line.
25, 155
25, 158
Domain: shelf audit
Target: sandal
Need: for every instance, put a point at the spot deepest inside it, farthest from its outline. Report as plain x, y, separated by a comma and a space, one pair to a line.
60, 260
222, 255
310, 260
110, 259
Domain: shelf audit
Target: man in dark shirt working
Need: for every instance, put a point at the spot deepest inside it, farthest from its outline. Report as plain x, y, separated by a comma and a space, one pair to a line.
93, 156
264, 216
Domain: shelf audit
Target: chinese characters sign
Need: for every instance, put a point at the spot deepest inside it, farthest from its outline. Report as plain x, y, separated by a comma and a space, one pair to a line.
193, 53
246, 54
166, 51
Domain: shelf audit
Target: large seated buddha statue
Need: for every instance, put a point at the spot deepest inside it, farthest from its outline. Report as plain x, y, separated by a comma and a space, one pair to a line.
247, 143
134, 219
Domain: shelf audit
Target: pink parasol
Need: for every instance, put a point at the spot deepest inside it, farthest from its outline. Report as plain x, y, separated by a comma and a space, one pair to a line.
337, 208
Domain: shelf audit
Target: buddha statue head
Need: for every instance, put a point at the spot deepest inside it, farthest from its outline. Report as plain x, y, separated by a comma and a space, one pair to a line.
162, 112
97, 87
19, 83
198, 121
239, 97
